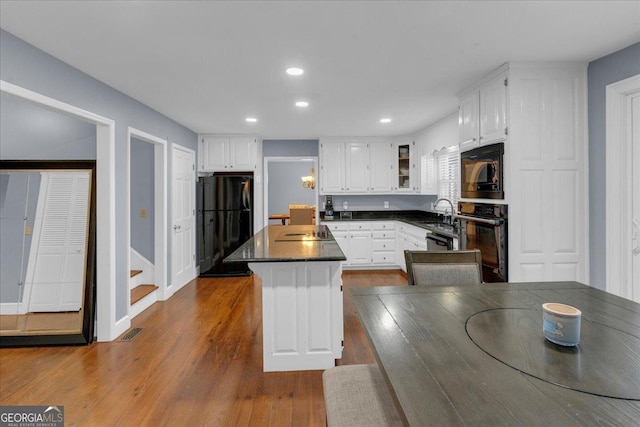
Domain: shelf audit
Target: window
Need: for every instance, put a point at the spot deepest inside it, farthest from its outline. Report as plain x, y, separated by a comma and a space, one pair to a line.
448, 176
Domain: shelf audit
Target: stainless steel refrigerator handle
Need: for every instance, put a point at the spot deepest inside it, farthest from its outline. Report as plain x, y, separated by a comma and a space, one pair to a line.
480, 220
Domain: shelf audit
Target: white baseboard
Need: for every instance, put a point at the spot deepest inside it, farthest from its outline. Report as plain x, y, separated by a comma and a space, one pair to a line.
9, 308
122, 326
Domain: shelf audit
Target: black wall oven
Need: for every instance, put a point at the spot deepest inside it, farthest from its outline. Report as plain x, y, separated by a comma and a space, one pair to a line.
481, 172
484, 227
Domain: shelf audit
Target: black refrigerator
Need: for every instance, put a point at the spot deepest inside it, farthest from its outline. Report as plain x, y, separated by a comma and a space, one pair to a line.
225, 221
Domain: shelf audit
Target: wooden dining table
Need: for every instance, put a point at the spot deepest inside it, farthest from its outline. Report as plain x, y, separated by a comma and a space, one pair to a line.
476, 355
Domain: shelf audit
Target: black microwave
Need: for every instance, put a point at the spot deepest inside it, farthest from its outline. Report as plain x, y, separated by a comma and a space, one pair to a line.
481, 171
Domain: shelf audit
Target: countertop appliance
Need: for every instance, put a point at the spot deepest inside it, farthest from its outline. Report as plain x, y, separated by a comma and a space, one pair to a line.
481, 172
225, 221
484, 227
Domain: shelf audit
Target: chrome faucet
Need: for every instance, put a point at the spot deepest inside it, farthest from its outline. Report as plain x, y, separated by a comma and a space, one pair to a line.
447, 219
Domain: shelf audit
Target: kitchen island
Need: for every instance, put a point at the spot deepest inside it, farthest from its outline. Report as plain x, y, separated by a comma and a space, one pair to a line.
300, 267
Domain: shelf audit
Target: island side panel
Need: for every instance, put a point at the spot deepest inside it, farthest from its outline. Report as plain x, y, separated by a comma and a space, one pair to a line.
302, 314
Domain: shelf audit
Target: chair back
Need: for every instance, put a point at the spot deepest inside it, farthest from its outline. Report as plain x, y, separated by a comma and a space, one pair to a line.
297, 206
300, 216
444, 267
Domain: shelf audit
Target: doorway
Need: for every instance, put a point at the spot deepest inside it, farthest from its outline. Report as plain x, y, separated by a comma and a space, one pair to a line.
284, 185
623, 188
107, 327
147, 237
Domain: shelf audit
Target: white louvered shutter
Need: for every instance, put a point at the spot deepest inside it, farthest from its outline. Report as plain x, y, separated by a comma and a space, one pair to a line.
448, 176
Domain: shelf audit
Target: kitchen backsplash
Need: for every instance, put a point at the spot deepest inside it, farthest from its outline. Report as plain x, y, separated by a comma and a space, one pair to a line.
376, 202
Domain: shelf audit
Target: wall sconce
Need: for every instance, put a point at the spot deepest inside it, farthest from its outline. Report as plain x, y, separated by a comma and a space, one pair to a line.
309, 181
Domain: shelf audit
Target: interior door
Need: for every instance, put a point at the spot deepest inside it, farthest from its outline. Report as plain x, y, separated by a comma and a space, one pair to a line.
183, 242
61, 226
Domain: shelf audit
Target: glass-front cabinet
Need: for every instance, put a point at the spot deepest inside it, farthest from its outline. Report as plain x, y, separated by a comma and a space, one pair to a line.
407, 173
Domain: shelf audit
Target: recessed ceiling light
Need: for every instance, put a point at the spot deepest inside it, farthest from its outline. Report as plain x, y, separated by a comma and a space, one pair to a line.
251, 119
385, 120
295, 71
302, 104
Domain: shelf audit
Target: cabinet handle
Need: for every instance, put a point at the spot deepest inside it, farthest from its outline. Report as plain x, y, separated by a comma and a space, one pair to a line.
474, 139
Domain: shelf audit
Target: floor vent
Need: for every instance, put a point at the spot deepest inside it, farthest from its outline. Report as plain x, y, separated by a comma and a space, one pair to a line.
131, 334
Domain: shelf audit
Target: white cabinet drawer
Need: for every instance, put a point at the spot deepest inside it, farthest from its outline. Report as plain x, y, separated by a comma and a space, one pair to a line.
337, 226
359, 226
383, 225
383, 245
384, 258
389, 234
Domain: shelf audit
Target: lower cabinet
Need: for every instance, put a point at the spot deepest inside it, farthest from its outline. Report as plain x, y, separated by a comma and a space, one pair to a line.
410, 238
365, 244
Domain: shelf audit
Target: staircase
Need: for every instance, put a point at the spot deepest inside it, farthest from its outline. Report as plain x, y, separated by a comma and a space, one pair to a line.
142, 295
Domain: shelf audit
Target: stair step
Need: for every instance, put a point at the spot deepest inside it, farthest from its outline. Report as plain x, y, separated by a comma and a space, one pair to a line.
141, 291
135, 273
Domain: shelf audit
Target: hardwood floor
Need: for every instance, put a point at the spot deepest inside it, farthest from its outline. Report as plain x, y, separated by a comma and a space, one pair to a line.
197, 362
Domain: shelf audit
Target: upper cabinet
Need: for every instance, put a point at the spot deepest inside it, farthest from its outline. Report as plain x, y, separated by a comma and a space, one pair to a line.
482, 114
407, 167
365, 166
227, 153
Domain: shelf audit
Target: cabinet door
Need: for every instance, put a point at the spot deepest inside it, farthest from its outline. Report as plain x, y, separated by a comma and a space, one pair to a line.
406, 170
357, 167
493, 112
242, 153
342, 239
359, 247
215, 154
468, 121
332, 179
381, 167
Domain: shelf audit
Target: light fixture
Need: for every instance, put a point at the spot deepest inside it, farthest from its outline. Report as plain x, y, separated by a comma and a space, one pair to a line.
309, 181
385, 120
251, 119
302, 104
294, 71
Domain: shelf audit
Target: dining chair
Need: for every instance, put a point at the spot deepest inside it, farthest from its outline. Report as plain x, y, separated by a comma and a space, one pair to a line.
444, 267
297, 206
300, 216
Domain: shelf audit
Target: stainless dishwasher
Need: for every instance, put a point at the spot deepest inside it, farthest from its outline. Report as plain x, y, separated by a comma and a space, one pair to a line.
438, 242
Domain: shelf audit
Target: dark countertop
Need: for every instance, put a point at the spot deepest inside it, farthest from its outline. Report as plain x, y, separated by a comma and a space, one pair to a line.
431, 221
289, 243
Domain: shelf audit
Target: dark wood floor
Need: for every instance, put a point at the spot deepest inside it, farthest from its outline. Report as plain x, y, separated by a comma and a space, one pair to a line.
197, 362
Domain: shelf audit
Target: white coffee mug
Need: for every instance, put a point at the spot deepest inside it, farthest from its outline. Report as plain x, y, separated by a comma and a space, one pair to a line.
561, 323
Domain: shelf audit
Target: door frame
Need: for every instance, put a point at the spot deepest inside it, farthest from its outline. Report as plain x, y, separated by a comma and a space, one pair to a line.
173, 287
618, 215
108, 327
267, 160
160, 208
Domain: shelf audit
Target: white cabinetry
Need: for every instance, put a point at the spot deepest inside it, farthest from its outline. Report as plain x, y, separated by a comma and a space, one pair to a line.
357, 167
360, 166
482, 114
354, 238
545, 164
332, 171
383, 243
381, 159
227, 153
409, 238
406, 167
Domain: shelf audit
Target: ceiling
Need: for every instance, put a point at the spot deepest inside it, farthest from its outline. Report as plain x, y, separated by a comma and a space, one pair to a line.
208, 65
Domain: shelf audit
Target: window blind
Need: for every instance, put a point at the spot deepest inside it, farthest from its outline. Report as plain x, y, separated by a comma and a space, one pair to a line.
448, 176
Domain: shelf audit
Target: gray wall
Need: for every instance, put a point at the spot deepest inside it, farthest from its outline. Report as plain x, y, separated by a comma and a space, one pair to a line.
289, 147
31, 68
601, 72
18, 194
285, 185
142, 197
